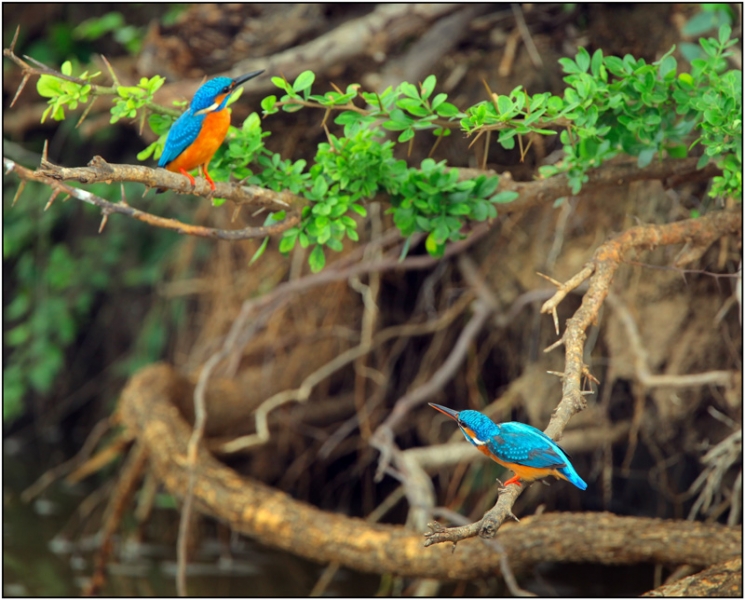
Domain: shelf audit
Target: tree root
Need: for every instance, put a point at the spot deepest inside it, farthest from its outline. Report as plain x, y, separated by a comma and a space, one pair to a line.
147, 409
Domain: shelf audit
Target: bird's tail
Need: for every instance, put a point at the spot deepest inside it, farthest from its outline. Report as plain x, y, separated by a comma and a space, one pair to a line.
571, 476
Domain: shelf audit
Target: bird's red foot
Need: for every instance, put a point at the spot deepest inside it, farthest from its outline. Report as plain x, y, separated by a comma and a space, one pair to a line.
189, 176
207, 177
515, 480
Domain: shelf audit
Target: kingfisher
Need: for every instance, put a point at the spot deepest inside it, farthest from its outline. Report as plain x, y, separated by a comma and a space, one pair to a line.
523, 449
197, 134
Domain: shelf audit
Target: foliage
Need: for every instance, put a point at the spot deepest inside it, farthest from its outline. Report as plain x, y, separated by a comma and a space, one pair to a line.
54, 300
711, 18
610, 106
128, 36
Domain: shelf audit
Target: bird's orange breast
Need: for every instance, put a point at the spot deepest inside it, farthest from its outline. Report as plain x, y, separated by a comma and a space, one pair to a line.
214, 129
524, 472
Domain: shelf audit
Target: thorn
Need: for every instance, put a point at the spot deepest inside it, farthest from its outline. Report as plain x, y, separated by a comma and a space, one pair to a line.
258, 212
40, 64
558, 284
18, 193
557, 373
20, 88
546, 483
486, 149
104, 219
55, 193
512, 516
555, 345
555, 315
478, 135
453, 549
236, 211
111, 71
86, 112
45, 152
587, 393
15, 39
590, 376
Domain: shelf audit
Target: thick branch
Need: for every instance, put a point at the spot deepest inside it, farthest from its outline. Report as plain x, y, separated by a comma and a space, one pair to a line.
123, 208
147, 409
98, 170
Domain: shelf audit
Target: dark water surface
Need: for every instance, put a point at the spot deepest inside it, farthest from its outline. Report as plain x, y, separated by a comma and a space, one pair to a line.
39, 562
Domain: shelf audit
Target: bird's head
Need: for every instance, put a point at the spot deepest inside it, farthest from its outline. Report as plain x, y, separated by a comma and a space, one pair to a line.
213, 94
476, 427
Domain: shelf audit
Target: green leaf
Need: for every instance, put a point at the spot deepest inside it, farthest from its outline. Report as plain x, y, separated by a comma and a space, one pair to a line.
409, 90
568, 65
724, 32
304, 81
583, 60
645, 157
437, 100
406, 135
287, 243
48, 86
504, 104
504, 197
428, 86
597, 62
447, 110
282, 84
267, 104
700, 23
257, 255
317, 259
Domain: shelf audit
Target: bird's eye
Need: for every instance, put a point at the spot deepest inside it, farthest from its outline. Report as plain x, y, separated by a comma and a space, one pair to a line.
225, 90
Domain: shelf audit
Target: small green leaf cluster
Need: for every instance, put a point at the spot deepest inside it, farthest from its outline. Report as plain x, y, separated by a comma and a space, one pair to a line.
651, 109
113, 22
294, 94
432, 200
711, 17
405, 108
415, 111
715, 100
134, 97
515, 114
63, 93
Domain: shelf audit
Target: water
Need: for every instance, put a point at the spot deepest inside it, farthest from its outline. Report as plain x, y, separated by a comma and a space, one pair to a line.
37, 561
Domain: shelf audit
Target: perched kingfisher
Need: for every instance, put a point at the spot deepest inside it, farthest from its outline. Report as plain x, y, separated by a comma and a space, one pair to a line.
197, 134
525, 450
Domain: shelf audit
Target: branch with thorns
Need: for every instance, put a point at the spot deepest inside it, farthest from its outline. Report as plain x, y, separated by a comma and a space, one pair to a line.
701, 232
99, 170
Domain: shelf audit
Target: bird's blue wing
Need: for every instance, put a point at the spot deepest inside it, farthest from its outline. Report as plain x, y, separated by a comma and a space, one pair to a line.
181, 135
525, 445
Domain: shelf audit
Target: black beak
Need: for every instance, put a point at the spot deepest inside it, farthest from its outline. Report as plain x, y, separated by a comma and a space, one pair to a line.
244, 78
453, 414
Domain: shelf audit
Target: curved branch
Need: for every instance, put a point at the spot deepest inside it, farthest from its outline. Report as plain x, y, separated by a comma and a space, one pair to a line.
601, 269
276, 519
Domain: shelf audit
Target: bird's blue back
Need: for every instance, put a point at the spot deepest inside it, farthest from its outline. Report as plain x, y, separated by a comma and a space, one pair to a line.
519, 443
187, 127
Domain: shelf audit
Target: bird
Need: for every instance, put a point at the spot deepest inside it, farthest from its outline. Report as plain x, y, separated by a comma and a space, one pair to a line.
523, 449
197, 134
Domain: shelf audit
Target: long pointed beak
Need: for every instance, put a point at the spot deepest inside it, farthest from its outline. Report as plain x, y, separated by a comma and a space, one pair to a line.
453, 414
244, 78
